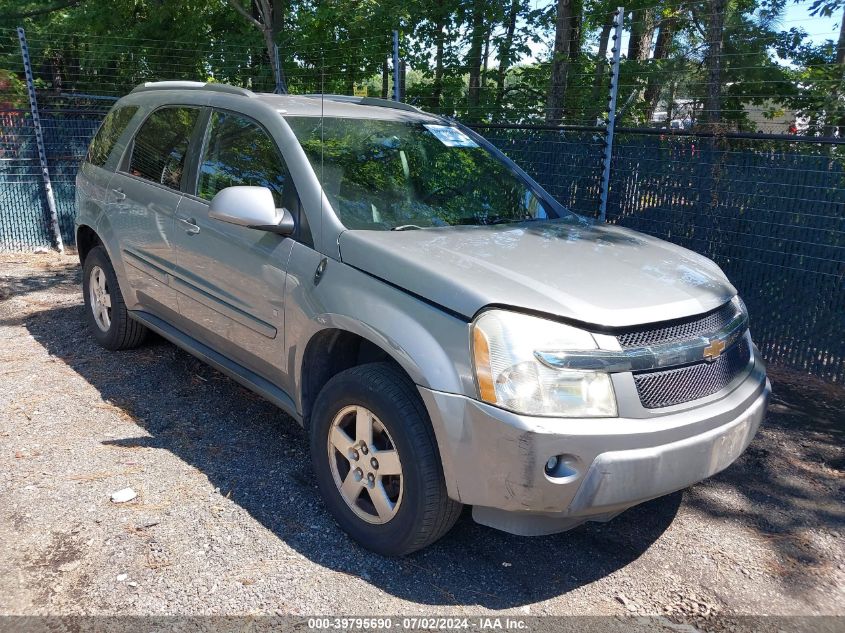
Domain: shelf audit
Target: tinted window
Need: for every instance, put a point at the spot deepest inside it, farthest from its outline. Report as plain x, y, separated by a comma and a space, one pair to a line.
239, 152
160, 145
387, 174
110, 130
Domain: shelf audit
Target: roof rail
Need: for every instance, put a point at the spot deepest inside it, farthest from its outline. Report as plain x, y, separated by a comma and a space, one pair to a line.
192, 85
367, 101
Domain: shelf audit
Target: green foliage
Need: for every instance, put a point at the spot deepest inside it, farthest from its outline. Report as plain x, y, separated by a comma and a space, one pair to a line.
106, 47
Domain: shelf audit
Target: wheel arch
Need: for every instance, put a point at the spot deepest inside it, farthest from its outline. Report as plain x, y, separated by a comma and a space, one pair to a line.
86, 239
334, 349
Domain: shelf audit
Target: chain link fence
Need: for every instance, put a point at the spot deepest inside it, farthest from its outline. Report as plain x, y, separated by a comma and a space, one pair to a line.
770, 212
768, 208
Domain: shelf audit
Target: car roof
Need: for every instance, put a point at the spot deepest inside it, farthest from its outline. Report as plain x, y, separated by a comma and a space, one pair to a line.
329, 105
343, 107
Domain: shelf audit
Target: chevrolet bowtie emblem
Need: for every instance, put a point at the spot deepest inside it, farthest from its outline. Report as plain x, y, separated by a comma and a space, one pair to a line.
714, 350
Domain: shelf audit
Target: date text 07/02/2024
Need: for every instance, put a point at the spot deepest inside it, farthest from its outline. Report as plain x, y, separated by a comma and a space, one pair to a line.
418, 623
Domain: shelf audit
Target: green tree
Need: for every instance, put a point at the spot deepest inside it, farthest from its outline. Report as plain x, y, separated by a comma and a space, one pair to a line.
268, 16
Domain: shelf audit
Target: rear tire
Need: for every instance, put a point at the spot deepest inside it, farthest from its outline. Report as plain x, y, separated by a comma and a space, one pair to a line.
388, 513
105, 311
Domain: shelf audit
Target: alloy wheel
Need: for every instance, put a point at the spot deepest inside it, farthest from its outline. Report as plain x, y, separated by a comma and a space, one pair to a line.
98, 292
365, 464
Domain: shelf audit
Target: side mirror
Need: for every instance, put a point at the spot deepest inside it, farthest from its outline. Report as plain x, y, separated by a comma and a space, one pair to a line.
252, 207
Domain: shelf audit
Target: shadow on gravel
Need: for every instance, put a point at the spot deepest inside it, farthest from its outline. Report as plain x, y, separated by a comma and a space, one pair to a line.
257, 457
790, 480
58, 278
44, 279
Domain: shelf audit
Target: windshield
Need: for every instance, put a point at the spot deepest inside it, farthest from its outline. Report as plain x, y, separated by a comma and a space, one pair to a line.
399, 175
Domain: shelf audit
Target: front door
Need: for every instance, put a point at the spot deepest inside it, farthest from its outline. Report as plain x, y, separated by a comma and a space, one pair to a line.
143, 197
231, 279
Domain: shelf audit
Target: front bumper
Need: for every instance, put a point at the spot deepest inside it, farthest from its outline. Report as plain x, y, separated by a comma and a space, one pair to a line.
495, 460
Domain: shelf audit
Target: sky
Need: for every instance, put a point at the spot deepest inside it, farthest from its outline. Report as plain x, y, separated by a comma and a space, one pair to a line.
818, 29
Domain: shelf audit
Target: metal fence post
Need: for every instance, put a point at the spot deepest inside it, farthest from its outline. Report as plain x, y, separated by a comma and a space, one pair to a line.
39, 139
396, 96
279, 78
611, 115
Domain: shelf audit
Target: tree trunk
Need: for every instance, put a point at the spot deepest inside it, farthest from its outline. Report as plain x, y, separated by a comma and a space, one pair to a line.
504, 54
74, 70
277, 24
665, 37
712, 113
485, 58
561, 57
601, 63
385, 78
55, 70
474, 58
270, 45
403, 73
670, 107
268, 16
642, 34
575, 32
271, 15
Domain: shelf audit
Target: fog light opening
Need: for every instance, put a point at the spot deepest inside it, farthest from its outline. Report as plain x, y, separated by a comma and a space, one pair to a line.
562, 468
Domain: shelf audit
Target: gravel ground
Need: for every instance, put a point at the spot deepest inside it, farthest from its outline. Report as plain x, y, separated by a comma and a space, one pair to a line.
227, 519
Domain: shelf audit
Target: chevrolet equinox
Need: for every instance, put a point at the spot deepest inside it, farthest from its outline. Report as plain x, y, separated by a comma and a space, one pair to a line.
445, 331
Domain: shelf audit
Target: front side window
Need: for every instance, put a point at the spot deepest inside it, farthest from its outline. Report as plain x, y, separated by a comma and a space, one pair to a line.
239, 152
110, 130
161, 145
394, 174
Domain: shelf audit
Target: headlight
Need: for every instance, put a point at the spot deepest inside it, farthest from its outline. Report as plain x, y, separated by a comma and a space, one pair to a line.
508, 374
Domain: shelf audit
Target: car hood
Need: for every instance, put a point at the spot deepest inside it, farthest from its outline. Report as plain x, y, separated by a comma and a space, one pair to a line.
593, 273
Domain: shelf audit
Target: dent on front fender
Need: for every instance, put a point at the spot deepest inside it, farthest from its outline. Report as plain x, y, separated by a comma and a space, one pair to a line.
431, 345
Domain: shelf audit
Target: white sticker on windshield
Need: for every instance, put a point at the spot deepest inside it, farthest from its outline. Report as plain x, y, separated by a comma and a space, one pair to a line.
450, 136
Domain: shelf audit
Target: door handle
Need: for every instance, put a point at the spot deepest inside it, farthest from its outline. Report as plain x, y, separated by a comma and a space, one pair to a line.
189, 225
119, 196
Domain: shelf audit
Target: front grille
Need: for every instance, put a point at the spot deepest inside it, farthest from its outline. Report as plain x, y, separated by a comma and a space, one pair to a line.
667, 387
667, 332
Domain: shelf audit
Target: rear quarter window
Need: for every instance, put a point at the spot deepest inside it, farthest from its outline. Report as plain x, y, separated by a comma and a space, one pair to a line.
161, 145
110, 130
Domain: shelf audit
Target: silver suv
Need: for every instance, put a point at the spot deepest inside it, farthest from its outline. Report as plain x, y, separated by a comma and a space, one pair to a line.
446, 332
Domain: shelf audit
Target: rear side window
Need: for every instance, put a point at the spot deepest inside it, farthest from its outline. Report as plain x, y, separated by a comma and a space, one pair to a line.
110, 130
240, 152
161, 145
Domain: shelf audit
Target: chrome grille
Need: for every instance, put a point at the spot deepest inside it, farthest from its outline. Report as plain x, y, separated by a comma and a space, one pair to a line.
667, 332
668, 387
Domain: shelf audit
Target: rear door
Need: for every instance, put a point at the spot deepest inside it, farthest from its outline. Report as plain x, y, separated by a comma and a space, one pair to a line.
144, 195
232, 279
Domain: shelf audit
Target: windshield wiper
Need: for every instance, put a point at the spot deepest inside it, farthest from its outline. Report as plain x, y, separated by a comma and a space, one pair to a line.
406, 227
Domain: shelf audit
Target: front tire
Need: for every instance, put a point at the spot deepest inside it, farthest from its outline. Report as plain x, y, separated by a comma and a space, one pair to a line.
105, 311
376, 461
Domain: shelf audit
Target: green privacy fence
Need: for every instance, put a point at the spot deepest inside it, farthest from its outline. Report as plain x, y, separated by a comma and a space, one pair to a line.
24, 219
770, 212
